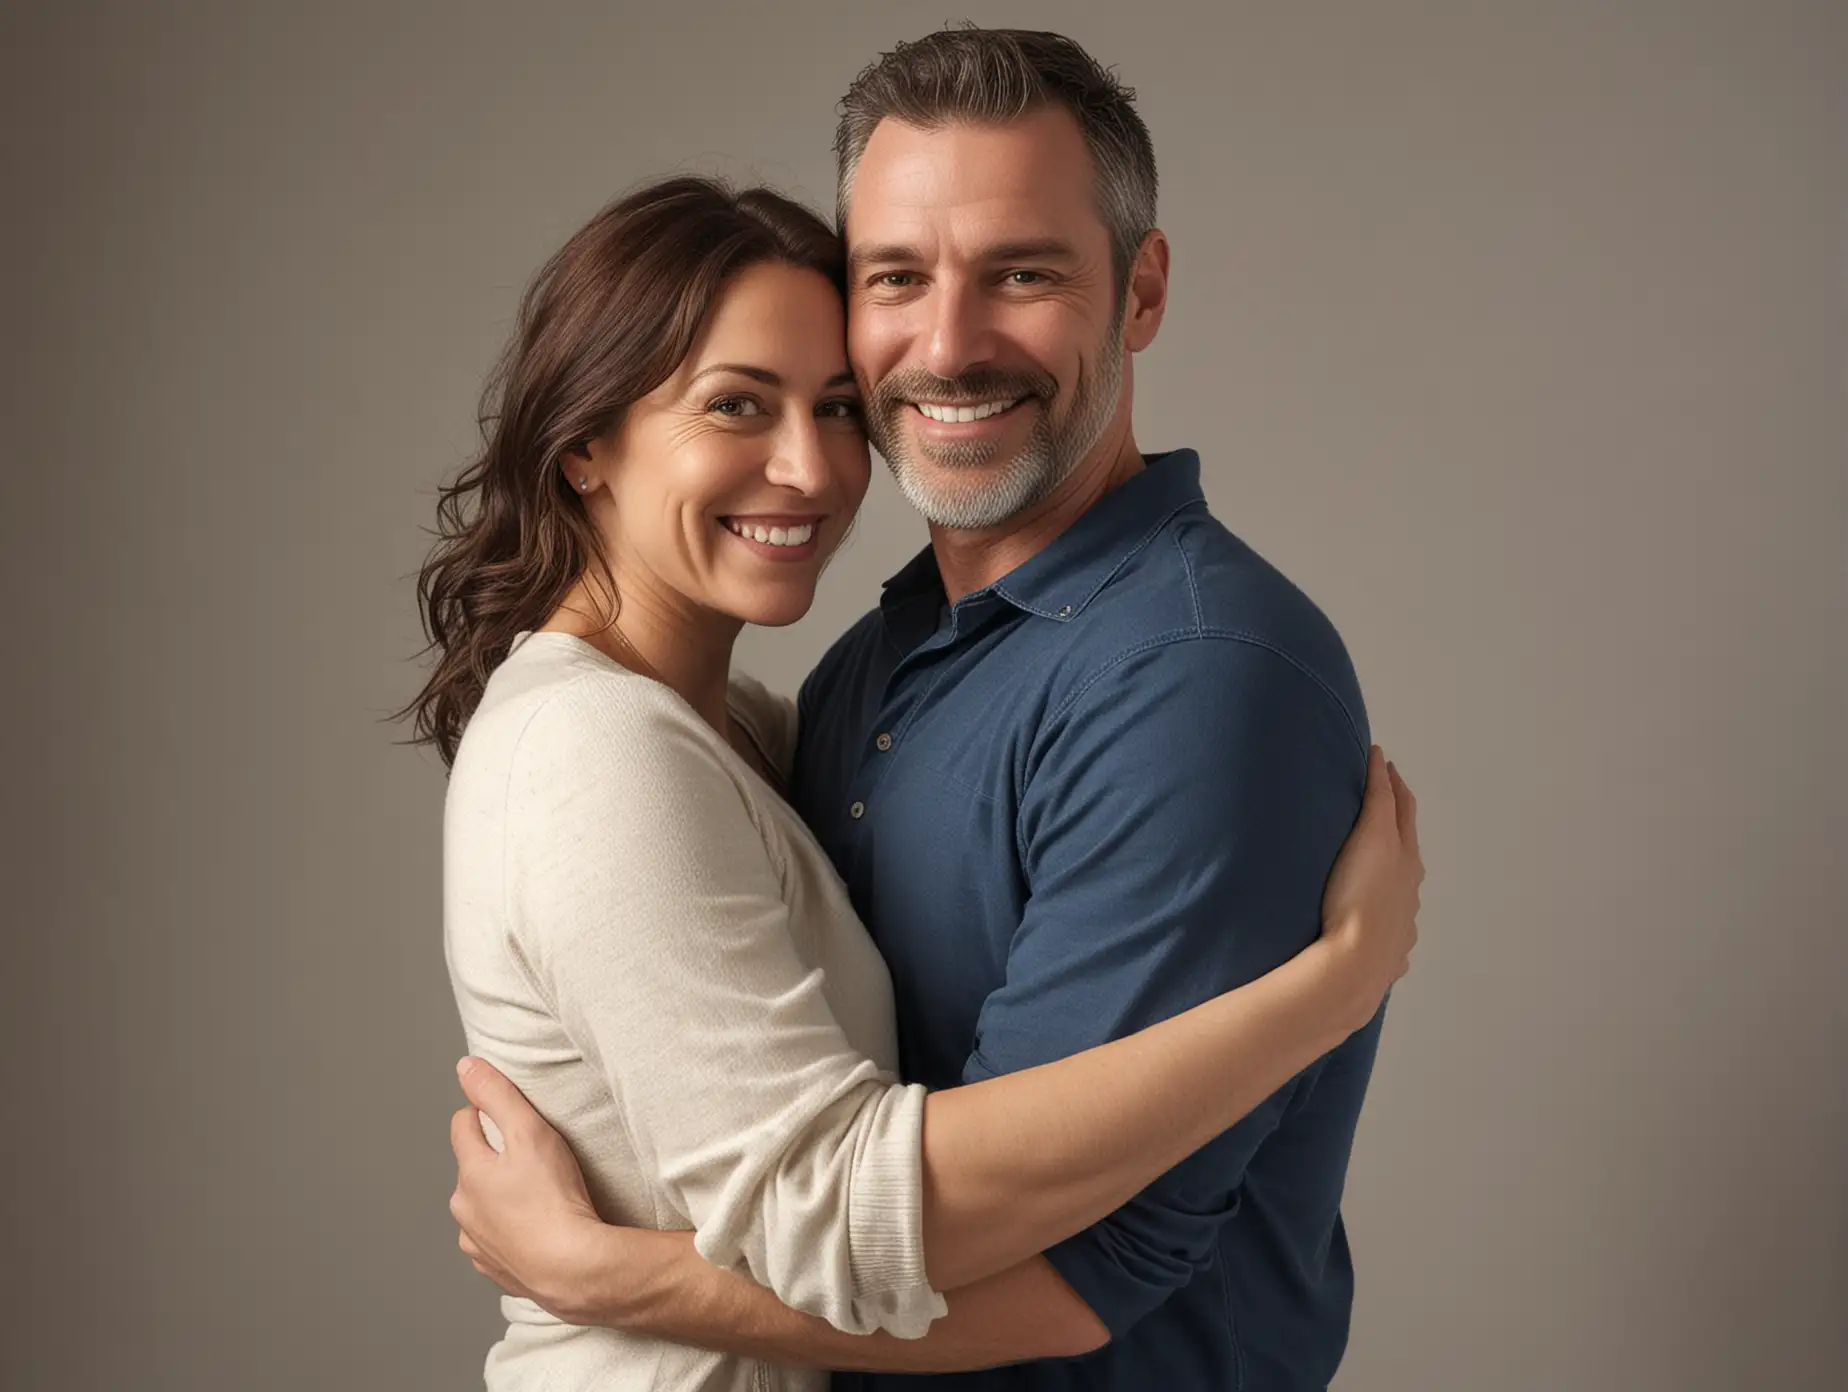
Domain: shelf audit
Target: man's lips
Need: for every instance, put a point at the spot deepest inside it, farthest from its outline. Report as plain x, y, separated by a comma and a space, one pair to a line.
965, 417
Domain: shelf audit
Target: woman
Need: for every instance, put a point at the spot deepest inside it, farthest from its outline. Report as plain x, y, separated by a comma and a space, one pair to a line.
641, 934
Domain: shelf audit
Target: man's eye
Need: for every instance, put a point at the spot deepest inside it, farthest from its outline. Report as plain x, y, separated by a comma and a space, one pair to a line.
1024, 277
736, 406
895, 280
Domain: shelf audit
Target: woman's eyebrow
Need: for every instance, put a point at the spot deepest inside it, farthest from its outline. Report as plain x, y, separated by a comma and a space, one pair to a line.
756, 374
842, 378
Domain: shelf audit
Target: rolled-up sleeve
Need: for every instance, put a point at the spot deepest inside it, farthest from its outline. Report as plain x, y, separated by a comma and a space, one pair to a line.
1177, 825
650, 905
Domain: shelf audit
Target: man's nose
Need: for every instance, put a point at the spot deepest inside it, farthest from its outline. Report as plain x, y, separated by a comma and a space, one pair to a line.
960, 334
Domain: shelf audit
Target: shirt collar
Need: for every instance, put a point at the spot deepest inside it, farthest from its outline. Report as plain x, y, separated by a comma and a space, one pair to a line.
1058, 581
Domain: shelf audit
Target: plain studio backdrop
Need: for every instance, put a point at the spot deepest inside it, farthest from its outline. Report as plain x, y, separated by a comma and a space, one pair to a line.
1515, 333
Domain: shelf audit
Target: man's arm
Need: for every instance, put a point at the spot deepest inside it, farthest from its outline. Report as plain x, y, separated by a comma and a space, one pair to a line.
532, 1193
1178, 822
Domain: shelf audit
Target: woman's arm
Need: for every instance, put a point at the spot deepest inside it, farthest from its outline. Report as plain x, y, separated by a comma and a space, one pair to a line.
1015, 1164
1024, 1313
1018, 1163
649, 913
655, 1283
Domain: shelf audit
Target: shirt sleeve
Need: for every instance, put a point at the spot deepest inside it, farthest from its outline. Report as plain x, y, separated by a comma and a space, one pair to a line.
652, 912
1177, 824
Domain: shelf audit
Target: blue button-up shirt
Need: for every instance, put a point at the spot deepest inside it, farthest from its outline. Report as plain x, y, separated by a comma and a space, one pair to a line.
1097, 792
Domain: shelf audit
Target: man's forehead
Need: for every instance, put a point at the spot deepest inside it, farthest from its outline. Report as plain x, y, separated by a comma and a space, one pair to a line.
1029, 180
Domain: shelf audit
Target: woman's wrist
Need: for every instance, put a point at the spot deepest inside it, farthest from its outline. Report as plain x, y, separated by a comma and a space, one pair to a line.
1349, 982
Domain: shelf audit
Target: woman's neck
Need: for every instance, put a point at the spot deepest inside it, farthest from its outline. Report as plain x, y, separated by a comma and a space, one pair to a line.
662, 636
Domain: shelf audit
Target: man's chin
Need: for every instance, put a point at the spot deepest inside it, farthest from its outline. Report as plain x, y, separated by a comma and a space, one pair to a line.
966, 497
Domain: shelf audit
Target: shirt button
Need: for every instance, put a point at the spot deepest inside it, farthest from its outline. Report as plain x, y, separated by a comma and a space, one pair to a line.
857, 811
1066, 612
884, 742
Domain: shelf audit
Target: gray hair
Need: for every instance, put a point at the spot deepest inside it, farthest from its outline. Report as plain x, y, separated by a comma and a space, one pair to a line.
992, 77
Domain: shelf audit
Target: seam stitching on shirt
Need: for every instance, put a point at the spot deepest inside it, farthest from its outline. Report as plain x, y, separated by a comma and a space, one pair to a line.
967, 787
1174, 636
1141, 544
1193, 584
1226, 1305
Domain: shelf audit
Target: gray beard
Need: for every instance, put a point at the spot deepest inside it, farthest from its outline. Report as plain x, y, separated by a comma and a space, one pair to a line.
1045, 460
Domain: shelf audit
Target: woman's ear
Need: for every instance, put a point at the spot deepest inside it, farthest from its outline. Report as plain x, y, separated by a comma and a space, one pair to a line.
577, 471
587, 465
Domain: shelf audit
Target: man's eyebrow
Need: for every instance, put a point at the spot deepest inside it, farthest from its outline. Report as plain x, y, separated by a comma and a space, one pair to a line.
1036, 249
881, 254
1030, 249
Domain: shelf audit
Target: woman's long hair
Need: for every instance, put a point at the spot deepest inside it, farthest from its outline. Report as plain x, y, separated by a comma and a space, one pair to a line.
606, 321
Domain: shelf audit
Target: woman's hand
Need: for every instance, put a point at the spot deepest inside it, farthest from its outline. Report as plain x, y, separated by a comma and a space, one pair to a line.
1370, 908
527, 1220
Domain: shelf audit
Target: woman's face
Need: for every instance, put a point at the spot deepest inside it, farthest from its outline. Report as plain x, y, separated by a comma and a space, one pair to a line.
731, 484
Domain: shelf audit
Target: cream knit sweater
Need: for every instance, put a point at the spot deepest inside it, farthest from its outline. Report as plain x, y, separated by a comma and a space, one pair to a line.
647, 940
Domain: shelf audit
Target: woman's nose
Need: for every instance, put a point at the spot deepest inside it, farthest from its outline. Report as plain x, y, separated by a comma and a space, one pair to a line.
799, 462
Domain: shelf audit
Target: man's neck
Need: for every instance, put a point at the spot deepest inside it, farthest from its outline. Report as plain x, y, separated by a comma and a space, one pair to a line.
969, 560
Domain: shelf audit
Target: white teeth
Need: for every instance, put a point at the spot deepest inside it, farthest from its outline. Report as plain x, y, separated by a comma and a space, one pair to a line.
775, 536
960, 414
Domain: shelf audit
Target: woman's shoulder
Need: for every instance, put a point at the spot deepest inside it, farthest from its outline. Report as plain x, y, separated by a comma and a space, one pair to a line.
584, 762
559, 704
768, 718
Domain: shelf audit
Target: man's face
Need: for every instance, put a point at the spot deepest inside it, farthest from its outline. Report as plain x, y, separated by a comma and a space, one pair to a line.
982, 319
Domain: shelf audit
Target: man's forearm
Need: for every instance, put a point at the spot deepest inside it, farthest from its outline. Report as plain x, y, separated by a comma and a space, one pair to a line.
661, 1288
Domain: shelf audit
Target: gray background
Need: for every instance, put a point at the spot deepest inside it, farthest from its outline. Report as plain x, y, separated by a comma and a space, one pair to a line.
1514, 332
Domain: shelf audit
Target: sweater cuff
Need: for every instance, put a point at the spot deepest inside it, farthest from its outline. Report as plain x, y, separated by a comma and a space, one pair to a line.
885, 1221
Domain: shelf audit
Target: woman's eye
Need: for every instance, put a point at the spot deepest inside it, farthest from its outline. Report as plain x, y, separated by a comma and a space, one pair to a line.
736, 406
843, 409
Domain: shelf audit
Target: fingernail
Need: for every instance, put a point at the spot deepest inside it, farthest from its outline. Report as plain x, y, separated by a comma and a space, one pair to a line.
465, 1066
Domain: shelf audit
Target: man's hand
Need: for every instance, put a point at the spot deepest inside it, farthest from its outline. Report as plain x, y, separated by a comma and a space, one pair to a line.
527, 1220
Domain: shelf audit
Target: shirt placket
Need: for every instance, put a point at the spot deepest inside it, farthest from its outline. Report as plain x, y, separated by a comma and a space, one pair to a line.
907, 690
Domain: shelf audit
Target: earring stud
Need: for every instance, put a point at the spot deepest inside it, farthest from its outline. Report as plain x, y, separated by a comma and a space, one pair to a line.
584, 483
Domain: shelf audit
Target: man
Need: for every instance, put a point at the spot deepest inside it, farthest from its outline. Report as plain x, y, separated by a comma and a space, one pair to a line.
1086, 765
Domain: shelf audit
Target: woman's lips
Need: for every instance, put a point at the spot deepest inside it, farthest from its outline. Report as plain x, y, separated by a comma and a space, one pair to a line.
776, 537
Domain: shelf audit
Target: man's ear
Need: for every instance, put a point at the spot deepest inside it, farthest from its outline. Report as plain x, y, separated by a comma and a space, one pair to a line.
1147, 293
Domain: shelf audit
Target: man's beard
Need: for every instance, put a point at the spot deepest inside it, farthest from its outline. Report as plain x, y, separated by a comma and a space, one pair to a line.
1044, 460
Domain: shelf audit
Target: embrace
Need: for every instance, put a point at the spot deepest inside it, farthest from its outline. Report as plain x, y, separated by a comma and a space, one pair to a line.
997, 1014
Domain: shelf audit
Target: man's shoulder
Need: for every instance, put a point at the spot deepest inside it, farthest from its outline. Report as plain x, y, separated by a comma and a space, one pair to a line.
1198, 586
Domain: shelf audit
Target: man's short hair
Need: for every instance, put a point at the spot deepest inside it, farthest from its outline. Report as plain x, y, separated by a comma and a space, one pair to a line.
992, 77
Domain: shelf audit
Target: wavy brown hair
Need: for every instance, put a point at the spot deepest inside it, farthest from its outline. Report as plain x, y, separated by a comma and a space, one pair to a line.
606, 321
